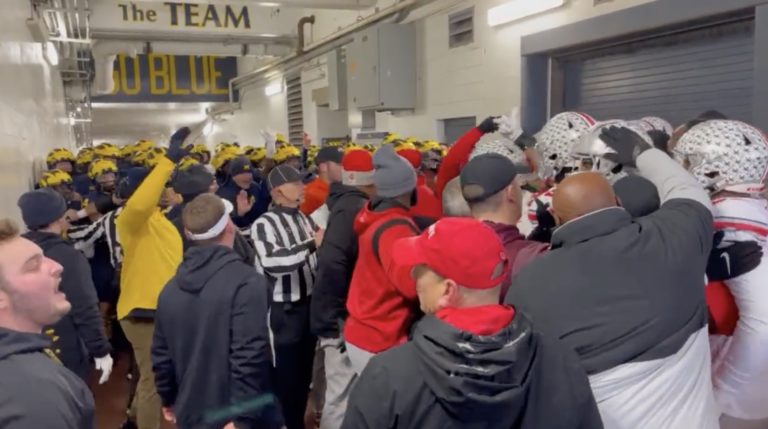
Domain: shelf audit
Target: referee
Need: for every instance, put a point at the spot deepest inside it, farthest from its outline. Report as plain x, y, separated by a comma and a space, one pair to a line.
286, 243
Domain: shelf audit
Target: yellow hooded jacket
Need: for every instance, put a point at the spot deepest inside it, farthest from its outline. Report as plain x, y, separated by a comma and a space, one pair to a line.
152, 248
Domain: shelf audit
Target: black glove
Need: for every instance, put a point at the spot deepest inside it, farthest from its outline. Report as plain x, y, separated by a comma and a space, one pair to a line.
546, 223
627, 144
175, 151
660, 139
489, 125
525, 141
733, 261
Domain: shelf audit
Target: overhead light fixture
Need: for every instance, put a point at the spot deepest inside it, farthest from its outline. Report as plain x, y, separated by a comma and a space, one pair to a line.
519, 9
274, 89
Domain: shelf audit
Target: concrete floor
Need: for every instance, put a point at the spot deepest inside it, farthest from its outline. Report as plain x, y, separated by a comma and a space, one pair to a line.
112, 397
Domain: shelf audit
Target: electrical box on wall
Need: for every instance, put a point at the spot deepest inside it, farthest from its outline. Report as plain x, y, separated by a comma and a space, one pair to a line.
381, 68
337, 79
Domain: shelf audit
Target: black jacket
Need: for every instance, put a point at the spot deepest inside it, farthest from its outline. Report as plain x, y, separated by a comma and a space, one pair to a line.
336, 261
618, 290
80, 333
445, 378
242, 246
210, 352
35, 390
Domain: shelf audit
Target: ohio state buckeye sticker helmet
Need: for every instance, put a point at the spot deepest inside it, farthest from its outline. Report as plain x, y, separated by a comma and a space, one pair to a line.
554, 141
725, 155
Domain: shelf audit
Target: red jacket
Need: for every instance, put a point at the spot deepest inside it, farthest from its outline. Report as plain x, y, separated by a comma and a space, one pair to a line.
381, 301
427, 203
456, 158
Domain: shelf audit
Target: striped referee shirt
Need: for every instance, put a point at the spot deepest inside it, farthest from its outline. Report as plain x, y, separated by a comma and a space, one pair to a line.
286, 252
84, 237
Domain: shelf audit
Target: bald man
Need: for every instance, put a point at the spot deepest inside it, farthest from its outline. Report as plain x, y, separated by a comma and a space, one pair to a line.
582, 194
627, 294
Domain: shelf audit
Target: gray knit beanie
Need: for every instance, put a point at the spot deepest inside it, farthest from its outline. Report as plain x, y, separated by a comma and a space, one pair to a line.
393, 175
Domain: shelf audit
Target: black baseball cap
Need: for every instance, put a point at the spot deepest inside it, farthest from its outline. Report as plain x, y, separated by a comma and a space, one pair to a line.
240, 165
329, 154
486, 175
195, 180
283, 174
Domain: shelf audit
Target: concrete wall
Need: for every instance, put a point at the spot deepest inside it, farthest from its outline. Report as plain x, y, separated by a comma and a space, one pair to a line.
479, 79
32, 114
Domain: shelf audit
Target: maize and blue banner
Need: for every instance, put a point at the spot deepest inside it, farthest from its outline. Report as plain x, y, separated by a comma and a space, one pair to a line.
156, 78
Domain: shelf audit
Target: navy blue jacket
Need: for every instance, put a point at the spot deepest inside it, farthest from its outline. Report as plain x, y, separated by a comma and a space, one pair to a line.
257, 193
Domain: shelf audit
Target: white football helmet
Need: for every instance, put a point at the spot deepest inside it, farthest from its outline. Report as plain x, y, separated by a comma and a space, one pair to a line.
501, 146
554, 141
651, 123
725, 155
589, 152
507, 148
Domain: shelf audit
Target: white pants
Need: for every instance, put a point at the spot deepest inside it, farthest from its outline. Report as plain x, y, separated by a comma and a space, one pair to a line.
358, 357
339, 380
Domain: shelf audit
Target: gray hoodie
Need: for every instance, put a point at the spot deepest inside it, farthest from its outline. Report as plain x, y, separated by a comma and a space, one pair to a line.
35, 390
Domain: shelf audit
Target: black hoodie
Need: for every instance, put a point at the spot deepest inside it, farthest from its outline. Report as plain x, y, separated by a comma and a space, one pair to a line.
210, 353
80, 332
445, 378
35, 390
336, 261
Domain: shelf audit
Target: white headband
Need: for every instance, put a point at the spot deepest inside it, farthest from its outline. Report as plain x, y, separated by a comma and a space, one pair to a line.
216, 229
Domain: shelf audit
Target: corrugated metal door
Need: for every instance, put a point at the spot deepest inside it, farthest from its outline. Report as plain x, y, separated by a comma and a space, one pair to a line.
675, 77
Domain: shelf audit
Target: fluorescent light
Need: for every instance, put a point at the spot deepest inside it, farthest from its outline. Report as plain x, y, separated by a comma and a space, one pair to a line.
275, 88
519, 9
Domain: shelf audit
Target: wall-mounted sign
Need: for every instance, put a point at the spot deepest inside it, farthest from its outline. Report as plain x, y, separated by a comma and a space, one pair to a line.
179, 14
237, 18
171, 78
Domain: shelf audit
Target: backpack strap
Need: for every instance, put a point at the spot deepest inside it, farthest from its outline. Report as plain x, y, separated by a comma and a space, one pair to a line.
387, 225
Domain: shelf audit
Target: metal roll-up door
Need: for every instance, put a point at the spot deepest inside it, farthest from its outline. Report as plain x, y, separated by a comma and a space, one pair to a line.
675, 77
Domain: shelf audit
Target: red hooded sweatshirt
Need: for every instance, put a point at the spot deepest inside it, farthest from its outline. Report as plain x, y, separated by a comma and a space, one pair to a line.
427, 203
381, 302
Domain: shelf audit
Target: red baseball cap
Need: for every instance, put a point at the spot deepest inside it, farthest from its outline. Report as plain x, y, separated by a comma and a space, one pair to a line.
461, 249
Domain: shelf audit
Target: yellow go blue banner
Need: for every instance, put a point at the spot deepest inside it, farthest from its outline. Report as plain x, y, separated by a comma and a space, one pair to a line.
157, 78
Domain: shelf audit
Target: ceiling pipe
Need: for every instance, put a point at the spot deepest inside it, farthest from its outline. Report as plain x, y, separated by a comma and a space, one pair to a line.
313, 4
227, 39
302, 22
321, 47
104, 55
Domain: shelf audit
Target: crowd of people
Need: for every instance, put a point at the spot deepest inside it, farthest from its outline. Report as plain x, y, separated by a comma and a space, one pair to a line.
593, 274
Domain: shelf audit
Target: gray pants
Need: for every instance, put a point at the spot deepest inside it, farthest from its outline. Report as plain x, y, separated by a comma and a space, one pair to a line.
339, 379
358, 357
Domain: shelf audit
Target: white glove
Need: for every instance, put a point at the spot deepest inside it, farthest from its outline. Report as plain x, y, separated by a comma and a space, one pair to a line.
269, 143
509, 125
104, 364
